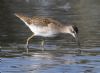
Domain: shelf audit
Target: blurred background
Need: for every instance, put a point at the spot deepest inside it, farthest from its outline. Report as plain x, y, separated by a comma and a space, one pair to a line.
85, 14
60, 55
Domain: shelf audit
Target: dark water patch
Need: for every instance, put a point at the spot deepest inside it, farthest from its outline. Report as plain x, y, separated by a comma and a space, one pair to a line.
22, 52
83, 61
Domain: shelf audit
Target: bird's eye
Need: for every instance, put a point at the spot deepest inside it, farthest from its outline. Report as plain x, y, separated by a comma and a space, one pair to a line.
73, 31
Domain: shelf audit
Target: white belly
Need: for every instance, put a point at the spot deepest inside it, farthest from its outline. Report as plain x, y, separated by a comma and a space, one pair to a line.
42, 31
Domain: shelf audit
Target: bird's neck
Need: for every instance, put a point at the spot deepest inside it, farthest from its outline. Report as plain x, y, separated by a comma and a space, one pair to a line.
65, 29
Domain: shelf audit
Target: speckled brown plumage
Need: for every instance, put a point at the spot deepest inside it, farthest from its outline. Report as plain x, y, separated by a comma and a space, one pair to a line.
38, 20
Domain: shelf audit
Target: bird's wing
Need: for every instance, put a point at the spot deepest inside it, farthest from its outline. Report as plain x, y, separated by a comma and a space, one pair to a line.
38, 20
41, 21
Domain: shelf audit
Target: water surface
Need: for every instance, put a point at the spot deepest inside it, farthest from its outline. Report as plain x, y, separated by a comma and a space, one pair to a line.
60, 55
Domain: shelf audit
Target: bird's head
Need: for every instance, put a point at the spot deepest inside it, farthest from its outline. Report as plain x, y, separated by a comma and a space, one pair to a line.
73, 30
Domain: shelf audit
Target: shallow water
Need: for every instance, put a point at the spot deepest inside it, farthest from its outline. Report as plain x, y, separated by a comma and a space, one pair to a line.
50, 62
60, 55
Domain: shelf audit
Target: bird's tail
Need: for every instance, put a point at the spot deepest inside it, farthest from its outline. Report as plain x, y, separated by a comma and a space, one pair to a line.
19, 15
24, 18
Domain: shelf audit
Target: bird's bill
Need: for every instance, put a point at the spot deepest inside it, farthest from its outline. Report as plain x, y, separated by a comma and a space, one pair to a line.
76, 38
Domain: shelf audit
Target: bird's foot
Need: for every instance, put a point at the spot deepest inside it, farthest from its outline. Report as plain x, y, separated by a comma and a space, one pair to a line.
42, 45
43, 48
78, 52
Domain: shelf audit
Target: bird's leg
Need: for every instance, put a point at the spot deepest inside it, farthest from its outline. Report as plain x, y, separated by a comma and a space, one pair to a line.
79, 46
28, 42
0, 48
42, 44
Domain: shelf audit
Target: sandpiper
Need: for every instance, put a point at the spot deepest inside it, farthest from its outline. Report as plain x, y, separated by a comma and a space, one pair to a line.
47, 27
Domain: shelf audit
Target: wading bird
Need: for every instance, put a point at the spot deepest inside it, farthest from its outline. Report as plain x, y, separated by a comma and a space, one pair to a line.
47, 27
